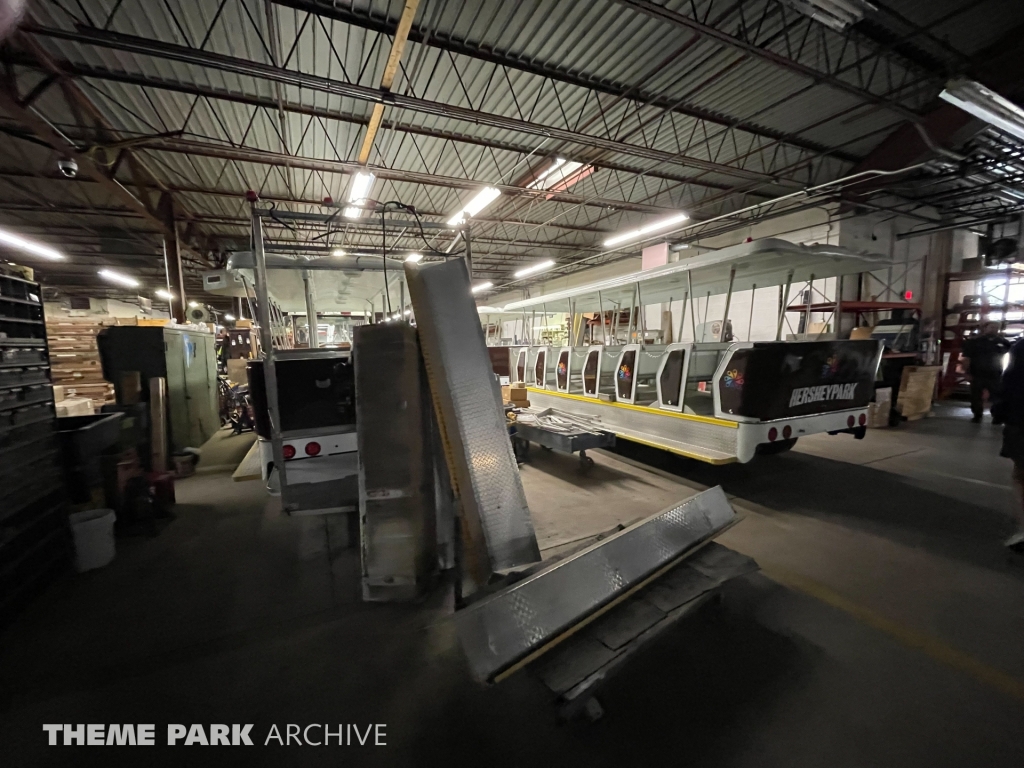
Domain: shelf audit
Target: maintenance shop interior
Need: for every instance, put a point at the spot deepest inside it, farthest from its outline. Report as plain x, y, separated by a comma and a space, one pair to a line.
512, 382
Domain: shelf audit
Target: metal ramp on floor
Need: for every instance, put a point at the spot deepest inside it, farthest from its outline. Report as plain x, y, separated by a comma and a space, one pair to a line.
504, 631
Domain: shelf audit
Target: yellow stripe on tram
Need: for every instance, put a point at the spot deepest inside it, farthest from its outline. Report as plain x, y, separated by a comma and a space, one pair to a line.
641, 408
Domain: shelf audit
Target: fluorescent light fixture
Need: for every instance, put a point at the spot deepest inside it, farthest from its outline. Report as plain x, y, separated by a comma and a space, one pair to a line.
162, 294
229, 318
193, 303
29, 246
654, 226
975, 99
482, 287
414, 257
480, 200
556, 174
533, 269
358, 192
339, 252
117, 277
835, 14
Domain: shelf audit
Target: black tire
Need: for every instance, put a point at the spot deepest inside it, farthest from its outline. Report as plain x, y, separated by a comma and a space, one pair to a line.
773, 449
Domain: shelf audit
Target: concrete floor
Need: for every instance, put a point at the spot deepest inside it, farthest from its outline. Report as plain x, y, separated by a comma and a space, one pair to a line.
887, 627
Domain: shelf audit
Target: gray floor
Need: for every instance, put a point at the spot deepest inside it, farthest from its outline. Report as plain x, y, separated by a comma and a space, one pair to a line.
887, 627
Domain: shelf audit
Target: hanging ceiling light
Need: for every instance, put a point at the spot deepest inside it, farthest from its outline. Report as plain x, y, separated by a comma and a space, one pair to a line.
162, 294
229, 318
29, 246
480, 200
116, 277
985, 104
482, 287
358, 192
654, 226
412, 258
835, 14
535, 268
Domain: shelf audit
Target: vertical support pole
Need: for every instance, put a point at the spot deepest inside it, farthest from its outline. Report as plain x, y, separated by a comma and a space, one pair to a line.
311, 324
632, 322
640, 316
469, 253
783, 305
693, 300
269, 369
704, 320
837, 312
682, 316
175, 276
750, 320
604, 329
807, 307
728, 301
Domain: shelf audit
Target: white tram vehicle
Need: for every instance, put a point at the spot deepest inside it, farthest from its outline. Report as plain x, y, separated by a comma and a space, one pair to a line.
715, 400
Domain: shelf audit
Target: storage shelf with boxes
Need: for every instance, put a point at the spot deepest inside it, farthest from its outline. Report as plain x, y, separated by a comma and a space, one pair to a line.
76, 365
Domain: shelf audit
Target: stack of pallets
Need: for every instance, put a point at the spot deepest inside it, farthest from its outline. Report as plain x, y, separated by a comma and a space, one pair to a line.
75, 358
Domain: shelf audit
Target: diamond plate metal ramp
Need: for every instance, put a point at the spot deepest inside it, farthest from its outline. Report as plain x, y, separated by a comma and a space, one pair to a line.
512, 624
498, 533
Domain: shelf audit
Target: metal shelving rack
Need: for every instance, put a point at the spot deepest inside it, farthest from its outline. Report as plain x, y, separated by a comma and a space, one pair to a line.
34, 537
994, 307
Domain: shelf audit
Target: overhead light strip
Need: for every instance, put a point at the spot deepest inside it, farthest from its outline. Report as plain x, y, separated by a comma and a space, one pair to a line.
358, 191
985, 104
12, 240
535, 268
479, 201
116, 277
654, 226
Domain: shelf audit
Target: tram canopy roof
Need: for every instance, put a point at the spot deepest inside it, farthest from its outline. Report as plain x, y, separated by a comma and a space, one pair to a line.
759, 263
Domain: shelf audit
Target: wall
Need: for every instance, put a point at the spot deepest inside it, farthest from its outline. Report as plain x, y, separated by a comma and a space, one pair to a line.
102, 308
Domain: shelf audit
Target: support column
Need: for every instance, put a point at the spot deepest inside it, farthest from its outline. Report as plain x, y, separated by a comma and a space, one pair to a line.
311, 326
175, 278
172, 261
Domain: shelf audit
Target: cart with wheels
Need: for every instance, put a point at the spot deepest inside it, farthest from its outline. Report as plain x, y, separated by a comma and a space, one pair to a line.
571, 438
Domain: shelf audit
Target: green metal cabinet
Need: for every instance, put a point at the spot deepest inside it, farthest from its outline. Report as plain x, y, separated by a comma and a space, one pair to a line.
185, 358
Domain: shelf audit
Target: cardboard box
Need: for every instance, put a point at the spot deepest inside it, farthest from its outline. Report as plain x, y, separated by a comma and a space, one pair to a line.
878, 411
519, 385
917, 388
237, 371
243, 322
861, 333
75, 406
518, 394
58, 393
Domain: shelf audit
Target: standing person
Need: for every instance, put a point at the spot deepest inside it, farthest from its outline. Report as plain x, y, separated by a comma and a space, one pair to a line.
1010, 410
983, 356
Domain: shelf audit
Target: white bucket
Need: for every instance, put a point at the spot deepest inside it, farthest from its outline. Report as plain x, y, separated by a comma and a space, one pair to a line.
93, 532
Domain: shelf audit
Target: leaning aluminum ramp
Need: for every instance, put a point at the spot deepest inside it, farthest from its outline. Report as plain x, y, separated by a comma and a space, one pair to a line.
497, 531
